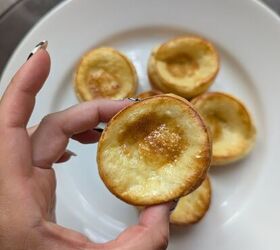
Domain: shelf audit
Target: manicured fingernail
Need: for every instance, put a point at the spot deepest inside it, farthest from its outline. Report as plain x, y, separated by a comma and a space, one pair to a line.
40, 45
71, 153
134, 99
173, 205
100, 130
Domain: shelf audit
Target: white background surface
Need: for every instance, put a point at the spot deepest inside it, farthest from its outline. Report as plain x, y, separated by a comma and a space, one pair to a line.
245, 205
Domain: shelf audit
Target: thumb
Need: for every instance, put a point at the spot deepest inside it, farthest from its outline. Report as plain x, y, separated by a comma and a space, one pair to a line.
156, 216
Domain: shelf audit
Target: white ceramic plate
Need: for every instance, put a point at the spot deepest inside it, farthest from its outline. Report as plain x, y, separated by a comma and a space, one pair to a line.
245, 209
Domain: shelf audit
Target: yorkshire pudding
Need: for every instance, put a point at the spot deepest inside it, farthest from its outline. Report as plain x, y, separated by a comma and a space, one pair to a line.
185, 66
192, 207
154, 151
105, 73
232, 129
148, 93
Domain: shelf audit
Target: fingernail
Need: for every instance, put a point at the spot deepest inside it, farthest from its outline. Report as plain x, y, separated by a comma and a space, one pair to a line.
134, 99
173, 205
100, 130
71, 153
40, 45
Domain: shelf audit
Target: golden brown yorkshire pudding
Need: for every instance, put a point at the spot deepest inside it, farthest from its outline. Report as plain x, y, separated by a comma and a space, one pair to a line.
230, 124
185, 66
148, 93
154, 151
192, 207
105, 73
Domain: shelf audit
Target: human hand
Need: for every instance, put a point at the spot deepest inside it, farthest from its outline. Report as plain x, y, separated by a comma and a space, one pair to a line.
27, 179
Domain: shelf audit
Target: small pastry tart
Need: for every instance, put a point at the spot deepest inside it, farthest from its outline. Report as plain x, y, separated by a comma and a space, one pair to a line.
154, 151
191, 208
185, 66
105, 73
230, 124
148, 93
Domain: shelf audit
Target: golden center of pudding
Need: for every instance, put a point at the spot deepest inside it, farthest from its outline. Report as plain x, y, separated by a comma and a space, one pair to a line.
159, 140
182, 65
102, 84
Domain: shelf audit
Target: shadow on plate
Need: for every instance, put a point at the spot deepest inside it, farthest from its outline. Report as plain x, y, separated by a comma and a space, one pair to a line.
178, 232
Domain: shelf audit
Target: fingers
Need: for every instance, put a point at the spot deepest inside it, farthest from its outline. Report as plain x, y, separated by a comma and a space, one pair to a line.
87, 115
18, 100
87, 137
148, 236
16, 107
52, 135
152, 232
66, 156
156, 220
156, 216
56, 237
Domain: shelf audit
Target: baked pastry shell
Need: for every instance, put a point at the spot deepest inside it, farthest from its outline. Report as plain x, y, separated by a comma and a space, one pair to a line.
192, 208
206, 67
148, 93
114, 64
157, 184
233, 131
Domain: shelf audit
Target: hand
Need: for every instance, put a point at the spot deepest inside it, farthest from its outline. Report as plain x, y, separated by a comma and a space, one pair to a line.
27, 180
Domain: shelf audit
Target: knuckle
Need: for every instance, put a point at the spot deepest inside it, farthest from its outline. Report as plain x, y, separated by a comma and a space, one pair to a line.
49, 119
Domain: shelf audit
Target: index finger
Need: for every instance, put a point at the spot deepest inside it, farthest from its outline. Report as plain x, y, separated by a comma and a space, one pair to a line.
59, 127
18, 100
